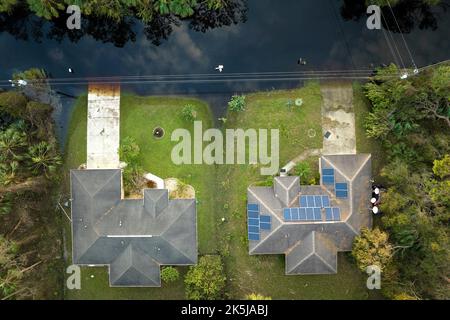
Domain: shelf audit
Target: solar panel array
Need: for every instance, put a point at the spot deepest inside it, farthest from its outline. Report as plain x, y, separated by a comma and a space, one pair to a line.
333, 214
328, 176
314, 201
302, 214
257, 222
341, 190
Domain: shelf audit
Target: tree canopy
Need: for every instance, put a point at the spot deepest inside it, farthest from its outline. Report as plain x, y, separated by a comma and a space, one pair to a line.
411, 119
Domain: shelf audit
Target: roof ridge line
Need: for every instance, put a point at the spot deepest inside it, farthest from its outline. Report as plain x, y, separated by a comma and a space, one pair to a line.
335, 168
301, 261
321, 259
177, 218
117, 257
265, 205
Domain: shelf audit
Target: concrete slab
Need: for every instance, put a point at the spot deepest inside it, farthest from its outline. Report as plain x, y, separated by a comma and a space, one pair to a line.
338, 118
103, 129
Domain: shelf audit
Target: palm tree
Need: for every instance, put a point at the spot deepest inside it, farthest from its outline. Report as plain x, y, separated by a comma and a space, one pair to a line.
43, 158
12, 141
8, 172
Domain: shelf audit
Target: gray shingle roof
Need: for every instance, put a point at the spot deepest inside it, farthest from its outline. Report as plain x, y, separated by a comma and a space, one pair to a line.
311, 246
133, 236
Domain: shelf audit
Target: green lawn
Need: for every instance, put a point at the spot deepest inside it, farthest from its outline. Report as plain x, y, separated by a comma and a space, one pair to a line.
221, 191
139, 115
265, 274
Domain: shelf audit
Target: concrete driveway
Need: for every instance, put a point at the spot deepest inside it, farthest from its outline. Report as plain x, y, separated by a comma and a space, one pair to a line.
338, 118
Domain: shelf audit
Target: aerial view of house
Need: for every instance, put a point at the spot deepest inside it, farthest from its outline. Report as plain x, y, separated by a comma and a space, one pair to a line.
228, 151
310, 224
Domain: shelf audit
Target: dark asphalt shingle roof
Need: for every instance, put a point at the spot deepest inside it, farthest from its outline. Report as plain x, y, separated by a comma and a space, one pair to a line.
311, 247
133, 236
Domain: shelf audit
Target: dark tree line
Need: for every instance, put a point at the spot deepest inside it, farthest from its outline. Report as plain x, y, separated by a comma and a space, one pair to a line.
23, 24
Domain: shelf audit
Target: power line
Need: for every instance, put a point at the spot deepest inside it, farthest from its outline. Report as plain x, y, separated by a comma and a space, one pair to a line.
180, 81
342, 32
194, 76
401, 33
393, 41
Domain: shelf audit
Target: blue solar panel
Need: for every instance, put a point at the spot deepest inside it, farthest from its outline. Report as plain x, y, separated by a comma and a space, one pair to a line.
328, 214
287, 214
253, 236
336, 214
341, 194
318, 201
253, 207
294, 213
328, 172
325, 201
341, 186
266, 219
302, 214
309, 214
310, 200
303, 202
265, 226
253, 229
328, 179
317, 214
253, 222
253, 214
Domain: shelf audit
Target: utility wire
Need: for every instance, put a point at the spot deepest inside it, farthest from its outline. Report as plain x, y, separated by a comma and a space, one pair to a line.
393, 41
401, 33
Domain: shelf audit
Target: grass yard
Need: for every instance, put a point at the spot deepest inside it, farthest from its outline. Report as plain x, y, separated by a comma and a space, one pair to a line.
265, 274
139, 116
245, 274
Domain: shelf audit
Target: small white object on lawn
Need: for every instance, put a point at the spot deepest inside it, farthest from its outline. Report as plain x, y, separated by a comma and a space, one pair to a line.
375, 210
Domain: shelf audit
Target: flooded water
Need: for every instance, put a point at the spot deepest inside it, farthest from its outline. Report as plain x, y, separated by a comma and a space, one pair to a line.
269, 36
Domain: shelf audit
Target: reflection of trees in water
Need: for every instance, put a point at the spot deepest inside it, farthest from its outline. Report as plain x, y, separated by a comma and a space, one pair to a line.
24, 25
409, 13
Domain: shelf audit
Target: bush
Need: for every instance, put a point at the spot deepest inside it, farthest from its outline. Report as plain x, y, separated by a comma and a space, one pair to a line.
372, 248
205, 281
13, 103
129, 151
303, 170
256, 296
170, 274
188, 113
237, 103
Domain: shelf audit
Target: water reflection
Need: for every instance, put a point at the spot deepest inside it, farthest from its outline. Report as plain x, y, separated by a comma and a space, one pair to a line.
24, 25
409, 14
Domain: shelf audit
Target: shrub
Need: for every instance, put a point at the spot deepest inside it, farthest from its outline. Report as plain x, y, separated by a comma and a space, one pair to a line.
205, 281
256, 296
170, 274
129, 150
372, 248
303, 170
237, 103
188, 113
13, 103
